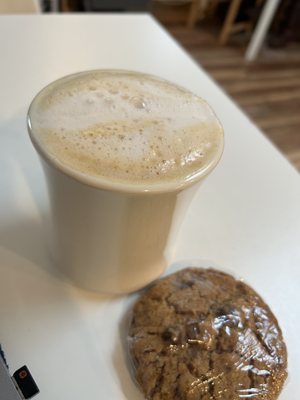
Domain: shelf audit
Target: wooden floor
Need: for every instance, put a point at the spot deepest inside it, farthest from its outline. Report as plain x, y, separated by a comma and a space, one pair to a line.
267, 90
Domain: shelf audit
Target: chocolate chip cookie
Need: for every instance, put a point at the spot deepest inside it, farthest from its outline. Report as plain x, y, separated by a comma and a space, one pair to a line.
200, 334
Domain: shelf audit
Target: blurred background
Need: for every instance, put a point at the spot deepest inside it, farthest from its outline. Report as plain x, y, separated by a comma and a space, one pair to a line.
251, 48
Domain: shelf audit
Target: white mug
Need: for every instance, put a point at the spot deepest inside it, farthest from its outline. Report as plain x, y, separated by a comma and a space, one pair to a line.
112, 238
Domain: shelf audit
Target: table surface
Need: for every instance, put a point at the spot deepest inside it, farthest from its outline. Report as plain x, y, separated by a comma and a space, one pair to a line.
245, 217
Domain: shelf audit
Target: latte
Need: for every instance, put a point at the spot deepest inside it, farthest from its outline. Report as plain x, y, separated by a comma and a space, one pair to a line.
125, 127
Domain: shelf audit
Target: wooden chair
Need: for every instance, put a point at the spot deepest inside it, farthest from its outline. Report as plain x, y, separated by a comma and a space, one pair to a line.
195, 13
194, 9
229, 26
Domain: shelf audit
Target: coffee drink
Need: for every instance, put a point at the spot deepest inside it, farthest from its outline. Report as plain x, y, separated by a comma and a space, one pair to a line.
125, 127
123, 153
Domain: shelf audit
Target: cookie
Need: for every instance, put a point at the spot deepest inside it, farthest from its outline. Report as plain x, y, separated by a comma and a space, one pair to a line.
200, 334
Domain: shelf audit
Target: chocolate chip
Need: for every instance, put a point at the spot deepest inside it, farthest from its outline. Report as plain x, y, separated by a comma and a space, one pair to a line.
171, 335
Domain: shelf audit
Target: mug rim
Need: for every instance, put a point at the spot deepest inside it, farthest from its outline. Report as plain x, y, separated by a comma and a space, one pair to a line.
115, 185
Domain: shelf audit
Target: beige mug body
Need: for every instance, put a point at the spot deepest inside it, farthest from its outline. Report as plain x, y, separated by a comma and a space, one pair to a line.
110, 241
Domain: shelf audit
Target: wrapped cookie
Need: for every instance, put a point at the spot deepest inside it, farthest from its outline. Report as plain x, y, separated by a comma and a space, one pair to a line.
200, 334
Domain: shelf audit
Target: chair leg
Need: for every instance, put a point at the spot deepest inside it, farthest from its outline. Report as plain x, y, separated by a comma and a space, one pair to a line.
64, 5
193, 14
211, 7
230, 18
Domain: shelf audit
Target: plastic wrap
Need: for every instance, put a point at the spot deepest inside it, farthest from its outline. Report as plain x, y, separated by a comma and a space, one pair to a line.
199, 334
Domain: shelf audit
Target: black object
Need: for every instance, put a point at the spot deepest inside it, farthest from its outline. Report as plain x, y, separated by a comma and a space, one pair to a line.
20, 386
25, 382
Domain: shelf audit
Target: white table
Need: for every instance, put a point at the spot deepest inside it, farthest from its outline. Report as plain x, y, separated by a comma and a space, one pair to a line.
245, 217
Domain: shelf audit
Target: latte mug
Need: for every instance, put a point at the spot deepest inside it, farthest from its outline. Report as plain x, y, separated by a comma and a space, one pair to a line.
123, 153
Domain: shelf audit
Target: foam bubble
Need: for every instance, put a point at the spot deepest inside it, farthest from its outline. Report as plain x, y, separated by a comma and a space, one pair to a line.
124, 126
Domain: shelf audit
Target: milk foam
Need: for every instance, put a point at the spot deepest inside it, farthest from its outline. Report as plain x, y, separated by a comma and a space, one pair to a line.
126, 127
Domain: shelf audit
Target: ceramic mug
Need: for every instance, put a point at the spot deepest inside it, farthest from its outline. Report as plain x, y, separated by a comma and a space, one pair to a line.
110, 236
